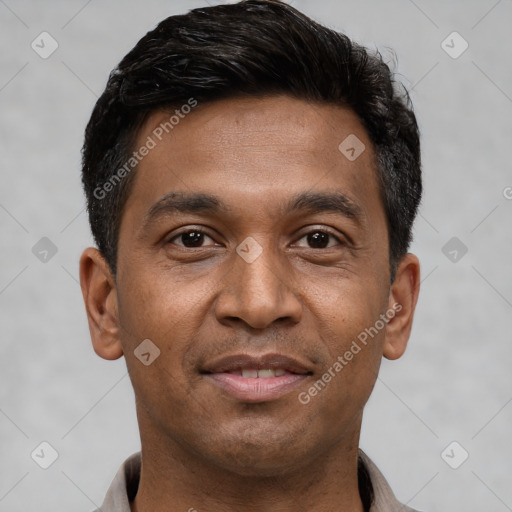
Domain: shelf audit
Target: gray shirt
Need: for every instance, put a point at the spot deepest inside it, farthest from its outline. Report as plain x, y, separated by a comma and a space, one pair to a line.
125, 484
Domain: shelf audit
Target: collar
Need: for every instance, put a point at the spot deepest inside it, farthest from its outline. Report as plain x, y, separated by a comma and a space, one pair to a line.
126, 482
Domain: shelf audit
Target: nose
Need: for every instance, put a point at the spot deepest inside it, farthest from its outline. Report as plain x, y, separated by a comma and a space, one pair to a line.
258, 292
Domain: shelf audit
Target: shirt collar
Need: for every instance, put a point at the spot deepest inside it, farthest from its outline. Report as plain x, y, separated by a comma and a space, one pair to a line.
126, 482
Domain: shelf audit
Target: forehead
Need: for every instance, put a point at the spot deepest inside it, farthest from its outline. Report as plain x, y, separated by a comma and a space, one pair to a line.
277, 124
255, 154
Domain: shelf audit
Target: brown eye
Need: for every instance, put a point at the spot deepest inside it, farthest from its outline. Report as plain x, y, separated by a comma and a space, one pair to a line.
320, 239
192, 238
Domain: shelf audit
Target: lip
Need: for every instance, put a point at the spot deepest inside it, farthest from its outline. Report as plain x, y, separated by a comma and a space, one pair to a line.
258, 362
256, 389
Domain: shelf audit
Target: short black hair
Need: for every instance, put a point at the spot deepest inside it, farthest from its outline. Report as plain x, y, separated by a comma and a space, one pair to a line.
255, 48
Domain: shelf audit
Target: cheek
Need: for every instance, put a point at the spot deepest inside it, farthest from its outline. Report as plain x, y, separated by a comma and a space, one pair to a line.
158, 305
156, 319
353, 333
166, 307
345, 307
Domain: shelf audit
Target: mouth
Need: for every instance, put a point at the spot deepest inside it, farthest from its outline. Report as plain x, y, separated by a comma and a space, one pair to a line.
256, 378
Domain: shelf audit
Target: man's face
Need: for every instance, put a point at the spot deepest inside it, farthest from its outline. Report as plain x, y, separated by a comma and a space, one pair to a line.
267, 277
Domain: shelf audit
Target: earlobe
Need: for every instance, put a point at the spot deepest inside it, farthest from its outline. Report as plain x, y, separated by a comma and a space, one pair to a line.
402, 300
100, 298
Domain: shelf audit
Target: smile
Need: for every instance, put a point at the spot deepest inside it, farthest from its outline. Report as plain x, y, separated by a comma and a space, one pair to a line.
261, 374
257, 378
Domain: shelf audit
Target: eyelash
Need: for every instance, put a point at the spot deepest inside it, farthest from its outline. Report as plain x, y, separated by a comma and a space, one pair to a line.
201, 232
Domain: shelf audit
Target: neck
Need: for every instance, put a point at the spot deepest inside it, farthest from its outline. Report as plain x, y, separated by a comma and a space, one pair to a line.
175, 479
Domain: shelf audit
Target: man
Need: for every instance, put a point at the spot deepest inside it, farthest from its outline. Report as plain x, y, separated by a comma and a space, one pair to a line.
252, 179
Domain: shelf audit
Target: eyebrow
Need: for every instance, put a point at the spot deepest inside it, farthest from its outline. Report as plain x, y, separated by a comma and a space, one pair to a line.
307, 202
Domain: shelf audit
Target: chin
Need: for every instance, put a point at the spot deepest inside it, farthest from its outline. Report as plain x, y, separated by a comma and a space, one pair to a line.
259, 453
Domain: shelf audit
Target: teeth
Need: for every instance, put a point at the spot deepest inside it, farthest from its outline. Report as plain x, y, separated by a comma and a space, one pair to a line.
249, 374
262, 374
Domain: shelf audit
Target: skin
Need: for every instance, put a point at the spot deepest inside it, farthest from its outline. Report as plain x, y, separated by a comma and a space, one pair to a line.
202, 448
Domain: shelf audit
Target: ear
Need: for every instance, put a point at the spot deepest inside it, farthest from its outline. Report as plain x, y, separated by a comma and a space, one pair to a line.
402, 300
100, 297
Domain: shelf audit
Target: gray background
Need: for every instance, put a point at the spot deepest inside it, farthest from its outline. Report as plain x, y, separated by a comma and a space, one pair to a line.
453, 384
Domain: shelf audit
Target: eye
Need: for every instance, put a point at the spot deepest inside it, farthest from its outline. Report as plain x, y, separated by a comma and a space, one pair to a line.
191, 238
319, 239
316, 239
